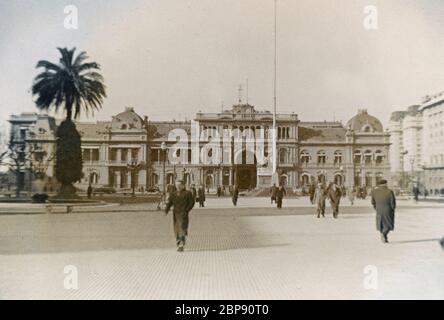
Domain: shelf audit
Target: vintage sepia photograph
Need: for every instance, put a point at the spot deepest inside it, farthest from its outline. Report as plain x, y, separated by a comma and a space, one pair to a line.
220, 150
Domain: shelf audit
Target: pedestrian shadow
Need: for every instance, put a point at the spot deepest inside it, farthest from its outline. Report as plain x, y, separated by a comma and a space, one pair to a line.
235, 247
416, 240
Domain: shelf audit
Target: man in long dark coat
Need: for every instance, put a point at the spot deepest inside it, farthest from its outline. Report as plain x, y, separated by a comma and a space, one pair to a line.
201, 196
280, 193
235, 195
384, 202
183, 202
273, 191
334, 194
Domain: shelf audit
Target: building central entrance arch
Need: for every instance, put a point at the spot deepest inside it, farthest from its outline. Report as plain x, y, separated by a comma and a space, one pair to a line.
245, 171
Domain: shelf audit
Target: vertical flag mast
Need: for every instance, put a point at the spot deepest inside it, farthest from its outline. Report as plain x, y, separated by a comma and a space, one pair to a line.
274, 95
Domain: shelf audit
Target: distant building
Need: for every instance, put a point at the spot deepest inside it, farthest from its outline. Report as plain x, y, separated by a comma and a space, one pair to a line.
357, 154
417, 145
432, 111
406, 135
354, 154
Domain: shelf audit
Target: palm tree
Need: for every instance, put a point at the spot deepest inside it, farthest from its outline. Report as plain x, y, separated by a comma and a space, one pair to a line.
76, 85
73, 83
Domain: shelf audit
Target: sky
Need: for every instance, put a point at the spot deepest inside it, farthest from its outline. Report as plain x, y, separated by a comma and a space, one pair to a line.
169, 59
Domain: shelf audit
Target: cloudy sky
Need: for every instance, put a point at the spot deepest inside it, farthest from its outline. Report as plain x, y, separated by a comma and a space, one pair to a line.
171, 58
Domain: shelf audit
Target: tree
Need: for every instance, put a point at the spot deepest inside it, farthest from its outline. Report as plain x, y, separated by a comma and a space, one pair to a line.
3, 146
76, 85
19, 157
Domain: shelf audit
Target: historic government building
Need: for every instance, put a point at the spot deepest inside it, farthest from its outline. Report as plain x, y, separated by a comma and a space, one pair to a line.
356, 153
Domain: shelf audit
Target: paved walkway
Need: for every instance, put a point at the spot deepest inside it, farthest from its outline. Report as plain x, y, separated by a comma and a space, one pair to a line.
236, 253
211, 203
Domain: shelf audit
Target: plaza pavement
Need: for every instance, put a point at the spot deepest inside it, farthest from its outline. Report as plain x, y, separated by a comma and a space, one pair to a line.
254, 251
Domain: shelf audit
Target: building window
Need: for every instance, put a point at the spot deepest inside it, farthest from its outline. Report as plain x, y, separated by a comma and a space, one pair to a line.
338, 157
95, 155
124, 155
86, 155
113, 154
305, 179
379, 157
283, 156
134, 154
321, 157
305, 157
368, 157
357, 157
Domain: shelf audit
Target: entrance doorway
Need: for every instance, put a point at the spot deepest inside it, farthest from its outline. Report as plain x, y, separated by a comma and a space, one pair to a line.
246, 176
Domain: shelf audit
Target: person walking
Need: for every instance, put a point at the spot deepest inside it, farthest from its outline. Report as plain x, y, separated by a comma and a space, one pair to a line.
89, 191
319, 199
384, 202
334, 194
273, 191
280, 193
415, 193
182, 201
311, 192
235, 195
351, 195
201, 196
219, 191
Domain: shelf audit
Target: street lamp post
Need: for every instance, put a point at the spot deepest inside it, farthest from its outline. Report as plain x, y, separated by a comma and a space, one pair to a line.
402, 167
163, 148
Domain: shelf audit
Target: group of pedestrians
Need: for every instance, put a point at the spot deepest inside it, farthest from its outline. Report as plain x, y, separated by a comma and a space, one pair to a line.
382, 199
320, 193
277, 195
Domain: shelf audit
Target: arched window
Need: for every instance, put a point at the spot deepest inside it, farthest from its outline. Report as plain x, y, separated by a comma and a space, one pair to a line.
305, 179
379, 157
321, 157
368, 156
305, 157
338, 157
338, 179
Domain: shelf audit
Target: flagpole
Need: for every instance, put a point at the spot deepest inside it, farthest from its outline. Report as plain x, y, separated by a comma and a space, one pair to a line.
274, 94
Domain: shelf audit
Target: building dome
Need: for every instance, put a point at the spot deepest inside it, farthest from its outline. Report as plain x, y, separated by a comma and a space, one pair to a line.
363, 122
127, 120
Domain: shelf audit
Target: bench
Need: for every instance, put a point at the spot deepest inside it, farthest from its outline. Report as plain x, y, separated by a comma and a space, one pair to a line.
49, 207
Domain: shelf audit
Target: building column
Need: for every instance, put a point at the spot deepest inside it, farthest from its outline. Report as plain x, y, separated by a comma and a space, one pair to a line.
117, 179
221, 176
